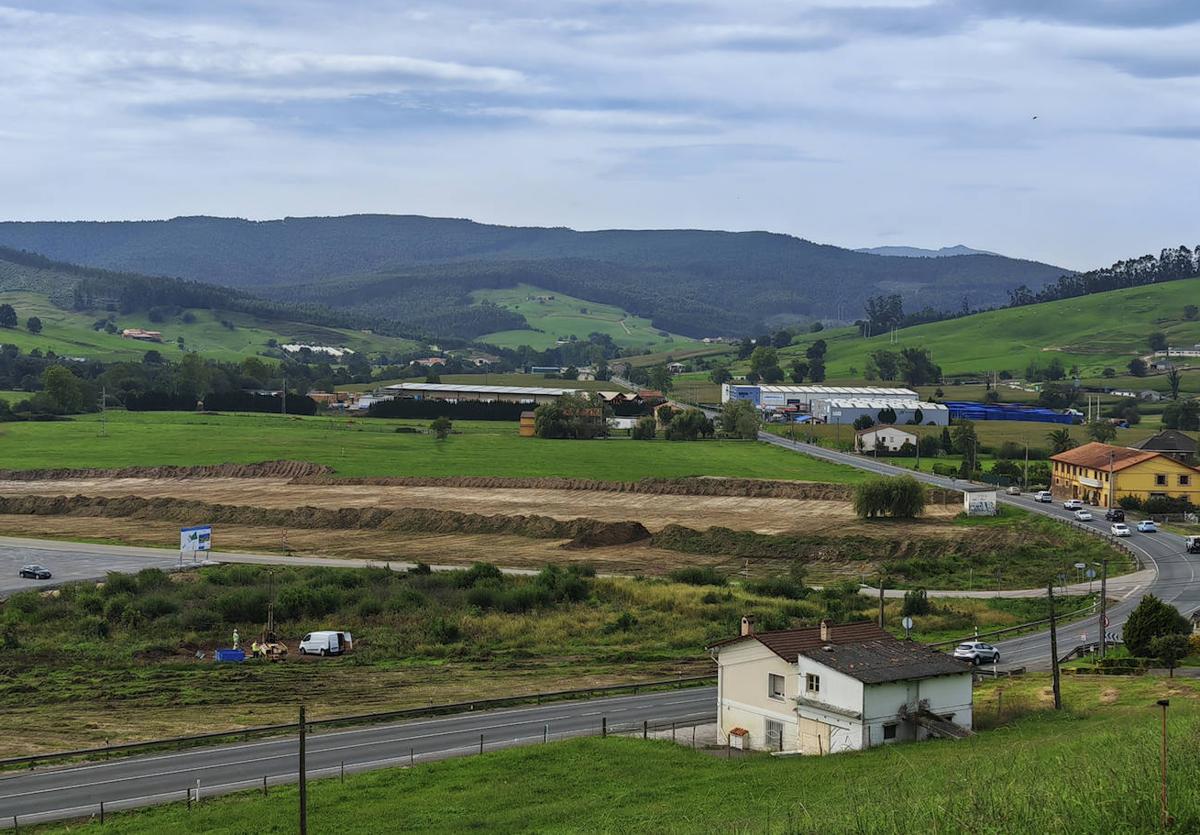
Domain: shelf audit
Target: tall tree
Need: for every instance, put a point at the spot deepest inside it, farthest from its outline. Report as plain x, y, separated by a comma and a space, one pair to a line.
1060, 440
8, 316
33, 324
1174, 379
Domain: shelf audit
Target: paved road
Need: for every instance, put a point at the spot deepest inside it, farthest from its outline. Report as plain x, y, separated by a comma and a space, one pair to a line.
55, 794
1172, 574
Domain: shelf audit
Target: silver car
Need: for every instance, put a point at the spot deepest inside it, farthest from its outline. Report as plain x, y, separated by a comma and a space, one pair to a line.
977, 652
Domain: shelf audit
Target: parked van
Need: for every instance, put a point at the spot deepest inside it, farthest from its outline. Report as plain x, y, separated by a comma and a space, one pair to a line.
1193, 544
326, 643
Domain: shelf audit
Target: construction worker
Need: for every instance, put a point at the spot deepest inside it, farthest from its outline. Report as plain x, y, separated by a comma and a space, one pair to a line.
236, 639
254, 649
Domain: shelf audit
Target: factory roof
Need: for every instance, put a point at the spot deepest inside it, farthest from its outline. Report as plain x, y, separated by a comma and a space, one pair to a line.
847, 391
867, 403
448, 388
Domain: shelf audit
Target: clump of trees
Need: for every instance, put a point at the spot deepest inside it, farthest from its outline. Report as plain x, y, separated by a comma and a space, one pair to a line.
1152, 619
688, 425
739, 419
441, 427
902, 497
573, 416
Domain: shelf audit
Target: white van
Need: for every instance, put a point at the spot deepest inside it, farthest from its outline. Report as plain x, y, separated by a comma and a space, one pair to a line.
1043, 496
326, 643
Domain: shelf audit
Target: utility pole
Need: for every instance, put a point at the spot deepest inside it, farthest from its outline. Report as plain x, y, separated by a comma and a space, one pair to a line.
881, 585
1053, 648
103, 413
303, 780
1112, 480
283, 397
1165, 818
1103, 607
1025, 473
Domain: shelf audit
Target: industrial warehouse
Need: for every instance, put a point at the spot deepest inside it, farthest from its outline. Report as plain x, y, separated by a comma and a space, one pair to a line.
487, 394
840, 404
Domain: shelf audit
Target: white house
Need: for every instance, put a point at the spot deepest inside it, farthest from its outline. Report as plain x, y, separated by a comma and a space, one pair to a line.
831, 688
884, 438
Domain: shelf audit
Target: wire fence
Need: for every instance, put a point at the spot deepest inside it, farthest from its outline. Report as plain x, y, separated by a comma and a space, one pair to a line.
404, 753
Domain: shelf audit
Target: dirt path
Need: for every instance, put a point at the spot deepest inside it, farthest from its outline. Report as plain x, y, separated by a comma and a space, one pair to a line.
763, 515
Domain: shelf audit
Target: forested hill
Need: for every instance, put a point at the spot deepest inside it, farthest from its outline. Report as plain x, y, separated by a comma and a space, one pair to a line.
689, 281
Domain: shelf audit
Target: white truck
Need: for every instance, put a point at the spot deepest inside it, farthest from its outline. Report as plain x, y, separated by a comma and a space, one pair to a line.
326, 643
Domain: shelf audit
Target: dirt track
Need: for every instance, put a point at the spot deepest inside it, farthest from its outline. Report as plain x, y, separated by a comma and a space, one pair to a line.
763, 515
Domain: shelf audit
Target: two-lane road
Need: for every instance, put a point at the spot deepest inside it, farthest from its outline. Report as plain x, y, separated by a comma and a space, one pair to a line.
55, 794
1176, 573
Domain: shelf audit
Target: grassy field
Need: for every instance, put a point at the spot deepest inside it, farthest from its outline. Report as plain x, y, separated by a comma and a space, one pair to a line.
537, 380
70, 333
553, 315
1090, 768
363, 447
1093, 332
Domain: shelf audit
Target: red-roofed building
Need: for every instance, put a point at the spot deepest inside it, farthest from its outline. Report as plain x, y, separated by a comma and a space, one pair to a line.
1102, 474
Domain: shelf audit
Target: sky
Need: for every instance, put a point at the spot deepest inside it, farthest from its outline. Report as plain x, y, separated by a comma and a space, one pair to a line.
863, 123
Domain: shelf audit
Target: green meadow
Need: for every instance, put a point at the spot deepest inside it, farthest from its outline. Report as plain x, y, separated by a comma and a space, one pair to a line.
371, 447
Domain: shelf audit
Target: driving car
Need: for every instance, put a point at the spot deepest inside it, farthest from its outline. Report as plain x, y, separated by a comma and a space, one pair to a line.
1120, 529
977, 652
1013, 490
1043, 496
1114, 514
35, 572
1084, 515
1073, 504
1147, 526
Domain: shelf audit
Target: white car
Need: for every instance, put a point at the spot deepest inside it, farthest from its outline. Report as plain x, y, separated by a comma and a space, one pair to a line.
1073, 504
977, 652
1120, 529
1083, 515
1147, 526
1043, 496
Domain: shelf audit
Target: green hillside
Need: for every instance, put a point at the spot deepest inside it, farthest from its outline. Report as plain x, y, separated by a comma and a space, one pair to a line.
553, 315
1093, 332
71, 333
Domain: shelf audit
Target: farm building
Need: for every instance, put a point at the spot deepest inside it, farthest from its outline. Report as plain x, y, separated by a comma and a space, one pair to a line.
836, 687
1170, 442
803, 397
848, 410
884, 438
142, 335
488, 394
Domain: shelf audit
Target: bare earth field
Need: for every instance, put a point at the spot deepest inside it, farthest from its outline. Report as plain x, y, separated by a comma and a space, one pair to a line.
762, 515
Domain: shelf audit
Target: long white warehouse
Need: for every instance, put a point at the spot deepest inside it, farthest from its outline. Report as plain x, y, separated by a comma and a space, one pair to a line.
847, 410
802, 397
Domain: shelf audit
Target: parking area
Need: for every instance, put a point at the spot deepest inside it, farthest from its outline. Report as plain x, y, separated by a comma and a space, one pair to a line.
68, 565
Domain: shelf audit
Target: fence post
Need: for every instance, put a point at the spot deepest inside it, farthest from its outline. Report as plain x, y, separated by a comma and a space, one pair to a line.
16, 827
264, 785
481, 743
189, 798
546, 732
412, 757
343, 771
645, 729
672, 731
603, 727
102, 812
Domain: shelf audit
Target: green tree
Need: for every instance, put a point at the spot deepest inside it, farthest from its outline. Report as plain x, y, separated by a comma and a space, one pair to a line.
8, 316
1108, 373
739, 419
64, 389
799, 371
781, 339
916, 602
441, 427
762, 358
883, 365
1174, 378
33, 324
816, 370
1137, 367
886, 415
1060, 440
1169, 649
901, 497
660, 378
689, 425
1101, 431
917, 367
965, 438
571, 416
720, 375
1190, 311
1158, 341
257, 370
1149, 620
1183, 415
645, 429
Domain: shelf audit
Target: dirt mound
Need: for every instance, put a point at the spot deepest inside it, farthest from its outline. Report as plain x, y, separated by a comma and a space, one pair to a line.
263, 469
582, 533
744, 487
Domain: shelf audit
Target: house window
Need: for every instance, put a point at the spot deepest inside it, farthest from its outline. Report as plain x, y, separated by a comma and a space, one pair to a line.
812, 683
775, 686
889, 731
1160, 480
774, 735
1185, 480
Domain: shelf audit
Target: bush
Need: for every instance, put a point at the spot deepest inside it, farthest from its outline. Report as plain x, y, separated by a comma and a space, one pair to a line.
199, 620
901, 497
644, 430
623, 623
1130, 502
777, 587
480, 572
442, 631
119, 584
149, 579
1149, 620
916, 602
244, 605
157, 606
697, 576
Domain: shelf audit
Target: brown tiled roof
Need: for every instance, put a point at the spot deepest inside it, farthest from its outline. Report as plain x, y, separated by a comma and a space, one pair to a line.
860, 650
1096, 456
1168, 440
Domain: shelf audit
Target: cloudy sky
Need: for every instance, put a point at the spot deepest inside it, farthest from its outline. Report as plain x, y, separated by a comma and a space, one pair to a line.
856, 123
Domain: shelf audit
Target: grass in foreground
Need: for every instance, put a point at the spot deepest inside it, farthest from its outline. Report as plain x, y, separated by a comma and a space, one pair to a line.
1091, 768
370, 447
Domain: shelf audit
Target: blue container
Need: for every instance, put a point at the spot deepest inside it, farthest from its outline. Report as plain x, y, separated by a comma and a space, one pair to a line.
234, 655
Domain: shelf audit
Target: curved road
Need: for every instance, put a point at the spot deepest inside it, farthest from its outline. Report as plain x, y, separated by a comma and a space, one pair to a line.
1176, 574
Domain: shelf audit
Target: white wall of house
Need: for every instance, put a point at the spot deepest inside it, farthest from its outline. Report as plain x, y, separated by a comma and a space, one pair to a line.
744, 699
887, 438
882, 703
829, 731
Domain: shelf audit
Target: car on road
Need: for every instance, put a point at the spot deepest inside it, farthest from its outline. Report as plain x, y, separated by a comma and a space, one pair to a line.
35, 572
977, 652
1043, 496
1120, 529
1192, 544
1073, 504
1083, 515
1147, 526
1013, 490
1114, 514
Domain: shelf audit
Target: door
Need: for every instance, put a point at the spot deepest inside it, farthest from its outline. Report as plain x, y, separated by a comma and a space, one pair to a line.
814, 736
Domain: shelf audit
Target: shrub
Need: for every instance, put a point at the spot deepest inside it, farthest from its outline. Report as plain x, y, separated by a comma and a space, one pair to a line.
623, 623
916, 602
243, 605
199, 619
420, 569
1149, 620
697, 576
644, 430
116, 583
157, 606
369, 607
480, 572
777, 587
1130, 502
901, 497
442, 631
149, 579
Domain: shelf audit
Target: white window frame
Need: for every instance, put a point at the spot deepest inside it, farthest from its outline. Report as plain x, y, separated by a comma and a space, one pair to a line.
812, 683
776, 743
771, 694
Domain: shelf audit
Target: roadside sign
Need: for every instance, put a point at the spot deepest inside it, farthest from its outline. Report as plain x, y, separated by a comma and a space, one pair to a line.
907, 622
195, 539
1081, 565
1091, 573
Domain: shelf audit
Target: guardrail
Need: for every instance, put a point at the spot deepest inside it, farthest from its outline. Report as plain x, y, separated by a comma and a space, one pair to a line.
1007, 629
366, 718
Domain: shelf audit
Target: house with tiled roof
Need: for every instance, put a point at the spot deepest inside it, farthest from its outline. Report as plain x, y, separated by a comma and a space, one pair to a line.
1170, 442
1102, 474
836, 687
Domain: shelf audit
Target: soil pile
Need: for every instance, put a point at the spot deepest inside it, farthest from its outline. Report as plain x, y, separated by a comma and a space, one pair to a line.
263, 469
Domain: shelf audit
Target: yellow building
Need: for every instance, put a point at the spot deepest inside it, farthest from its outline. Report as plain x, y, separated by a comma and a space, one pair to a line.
1101, 474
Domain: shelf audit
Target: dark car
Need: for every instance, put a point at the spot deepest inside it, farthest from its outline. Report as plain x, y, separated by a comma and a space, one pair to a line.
1114, 514
35, 572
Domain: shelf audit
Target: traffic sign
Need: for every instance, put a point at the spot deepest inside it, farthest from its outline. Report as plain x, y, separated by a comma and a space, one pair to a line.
1091, 573
1081, 565
907, 622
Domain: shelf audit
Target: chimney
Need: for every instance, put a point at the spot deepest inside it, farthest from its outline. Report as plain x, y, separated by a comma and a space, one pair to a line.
826, 631
747, 625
